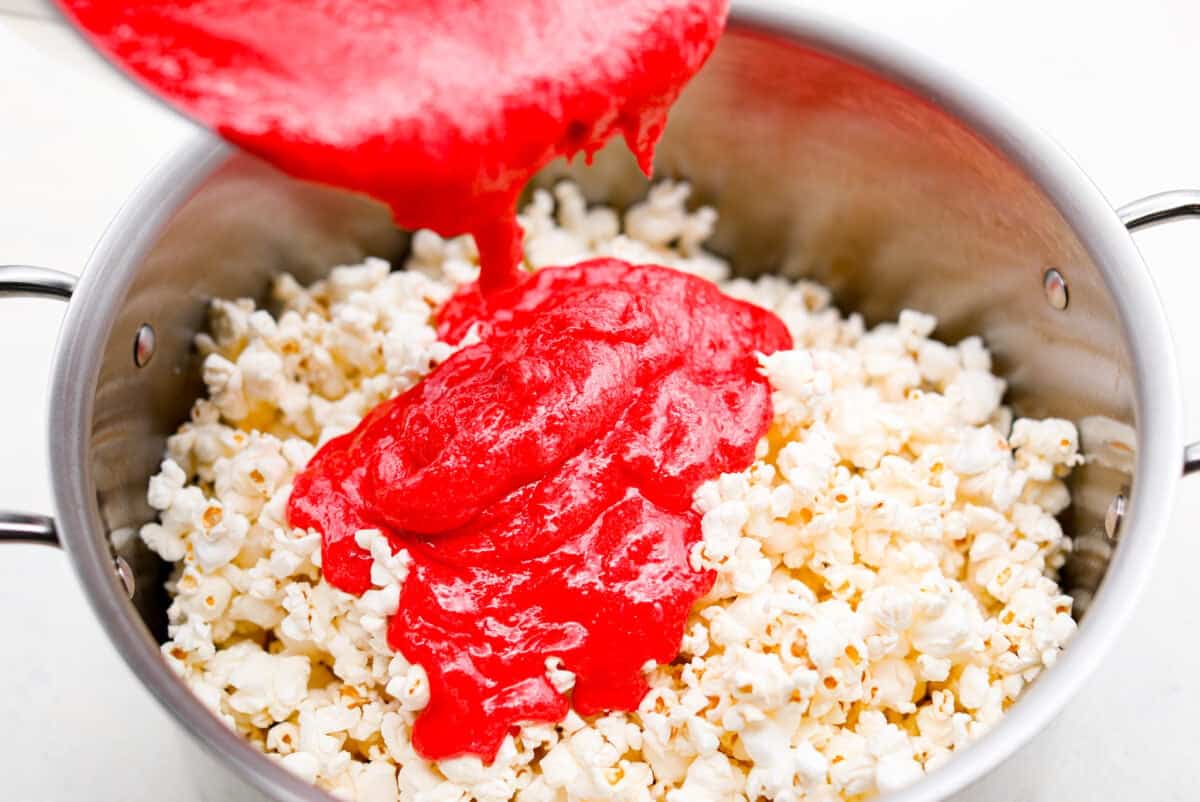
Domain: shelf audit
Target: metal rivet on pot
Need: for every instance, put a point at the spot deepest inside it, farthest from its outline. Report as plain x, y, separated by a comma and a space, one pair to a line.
1055, 287
125, 573
144, 343
1112, 518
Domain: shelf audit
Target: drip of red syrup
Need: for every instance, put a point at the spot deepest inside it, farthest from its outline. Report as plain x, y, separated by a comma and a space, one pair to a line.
542, 481
443, 109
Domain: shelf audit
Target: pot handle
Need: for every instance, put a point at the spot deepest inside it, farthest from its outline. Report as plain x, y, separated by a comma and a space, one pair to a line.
17, 281
1151, 211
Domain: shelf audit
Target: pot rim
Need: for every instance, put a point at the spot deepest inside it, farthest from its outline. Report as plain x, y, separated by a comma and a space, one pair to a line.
1158, 408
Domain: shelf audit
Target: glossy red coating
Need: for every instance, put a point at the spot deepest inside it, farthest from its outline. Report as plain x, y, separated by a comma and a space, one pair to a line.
443, 109
542, 480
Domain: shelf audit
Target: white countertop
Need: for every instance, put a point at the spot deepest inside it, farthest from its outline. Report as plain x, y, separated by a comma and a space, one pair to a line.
1113, 82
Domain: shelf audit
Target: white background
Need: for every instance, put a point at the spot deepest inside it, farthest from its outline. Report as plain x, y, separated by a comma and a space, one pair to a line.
1113, 82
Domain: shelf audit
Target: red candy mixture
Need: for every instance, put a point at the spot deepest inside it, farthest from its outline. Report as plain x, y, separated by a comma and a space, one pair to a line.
542, 481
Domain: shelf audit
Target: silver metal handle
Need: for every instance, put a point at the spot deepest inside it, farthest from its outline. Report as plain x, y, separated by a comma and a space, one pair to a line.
1160, 208
18, 281
1151, 211
31, 282
16, 527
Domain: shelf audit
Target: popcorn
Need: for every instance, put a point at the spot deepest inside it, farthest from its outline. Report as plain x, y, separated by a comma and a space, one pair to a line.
283, 738
389, 567
261, 682
885, 570
562, 680
409, 686
302, 764
711, 778
376, 783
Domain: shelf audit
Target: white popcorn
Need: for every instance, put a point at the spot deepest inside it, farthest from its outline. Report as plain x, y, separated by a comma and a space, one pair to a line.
975, 395
217, 544
973, 687
776, 762
377, 783
410, 687
303, 765
894, 772
948, 626
261, 681
933, 669
283, 738
712, 778
885, 570
559, 677
165, 485
808, 464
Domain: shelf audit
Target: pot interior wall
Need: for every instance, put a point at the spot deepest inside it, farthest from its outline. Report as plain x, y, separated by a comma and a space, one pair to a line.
818, 168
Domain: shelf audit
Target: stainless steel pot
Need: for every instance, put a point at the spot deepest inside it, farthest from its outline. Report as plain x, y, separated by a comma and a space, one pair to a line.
829, 154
